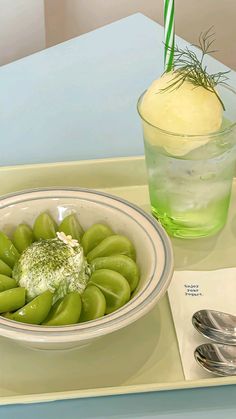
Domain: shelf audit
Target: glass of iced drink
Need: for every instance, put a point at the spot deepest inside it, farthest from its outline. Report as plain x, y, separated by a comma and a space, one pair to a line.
189, 139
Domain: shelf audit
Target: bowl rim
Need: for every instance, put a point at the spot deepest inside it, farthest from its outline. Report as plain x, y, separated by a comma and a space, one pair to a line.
97, 327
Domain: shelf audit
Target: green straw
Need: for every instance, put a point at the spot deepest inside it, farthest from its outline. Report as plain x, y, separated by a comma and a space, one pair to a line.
169, 23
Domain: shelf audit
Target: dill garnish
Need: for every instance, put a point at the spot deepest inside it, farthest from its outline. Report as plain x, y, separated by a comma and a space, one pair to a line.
188, 67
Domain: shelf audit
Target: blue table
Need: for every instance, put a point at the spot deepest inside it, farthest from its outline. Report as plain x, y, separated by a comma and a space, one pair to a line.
77, 101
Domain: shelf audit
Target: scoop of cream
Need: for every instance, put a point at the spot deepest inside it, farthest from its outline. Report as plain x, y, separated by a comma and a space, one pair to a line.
54, 265
187, 110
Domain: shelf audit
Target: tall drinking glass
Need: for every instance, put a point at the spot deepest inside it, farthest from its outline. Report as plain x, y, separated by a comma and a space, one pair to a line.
190, 176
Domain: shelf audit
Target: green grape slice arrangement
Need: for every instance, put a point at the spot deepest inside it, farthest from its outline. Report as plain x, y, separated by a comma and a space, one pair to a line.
58, 273
70, 226
93, 304
65, 311
114, 287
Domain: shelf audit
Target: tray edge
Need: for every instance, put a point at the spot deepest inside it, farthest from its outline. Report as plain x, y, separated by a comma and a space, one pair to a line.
115, 391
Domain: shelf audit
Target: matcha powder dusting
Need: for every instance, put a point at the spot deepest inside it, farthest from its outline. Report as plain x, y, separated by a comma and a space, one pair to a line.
53, 265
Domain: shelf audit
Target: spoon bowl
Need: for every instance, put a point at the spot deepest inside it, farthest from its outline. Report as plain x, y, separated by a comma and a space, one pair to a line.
216, 326
216, 358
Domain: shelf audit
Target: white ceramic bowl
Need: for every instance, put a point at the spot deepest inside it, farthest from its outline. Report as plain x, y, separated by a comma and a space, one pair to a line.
154, 258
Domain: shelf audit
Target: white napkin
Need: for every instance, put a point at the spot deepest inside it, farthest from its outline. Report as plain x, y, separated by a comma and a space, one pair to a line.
189, 292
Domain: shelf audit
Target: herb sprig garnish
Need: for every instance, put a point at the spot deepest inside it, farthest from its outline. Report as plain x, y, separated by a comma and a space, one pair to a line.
188, 67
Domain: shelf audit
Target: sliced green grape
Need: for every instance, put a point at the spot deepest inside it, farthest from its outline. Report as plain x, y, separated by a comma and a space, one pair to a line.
22, 237
93, 304
71, 226
7, 315
114, 287
54, 309
8, 252
6, 283
5, 269
12, 299
119, 263
66, 311
36, 311
44, 227
113, 245
94, 235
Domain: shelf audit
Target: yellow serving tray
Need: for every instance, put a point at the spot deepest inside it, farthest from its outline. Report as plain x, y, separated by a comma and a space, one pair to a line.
140, 358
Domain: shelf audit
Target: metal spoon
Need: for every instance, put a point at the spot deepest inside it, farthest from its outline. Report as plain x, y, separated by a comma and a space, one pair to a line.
217, 359
215, 325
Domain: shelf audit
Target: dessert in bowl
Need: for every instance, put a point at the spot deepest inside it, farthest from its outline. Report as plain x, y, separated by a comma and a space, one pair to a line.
130, 232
